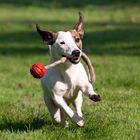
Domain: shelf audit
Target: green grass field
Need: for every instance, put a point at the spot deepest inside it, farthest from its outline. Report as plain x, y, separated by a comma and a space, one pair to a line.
112, 41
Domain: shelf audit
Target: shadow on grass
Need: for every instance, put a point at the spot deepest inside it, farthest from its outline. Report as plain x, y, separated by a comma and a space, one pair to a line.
115, 39
69, 3
34, 124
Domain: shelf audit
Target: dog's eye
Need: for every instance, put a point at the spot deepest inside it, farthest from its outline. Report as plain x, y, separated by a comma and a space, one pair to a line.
77, 40
62, 42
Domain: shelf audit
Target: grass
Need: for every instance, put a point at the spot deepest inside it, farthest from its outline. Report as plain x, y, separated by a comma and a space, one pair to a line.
112, 40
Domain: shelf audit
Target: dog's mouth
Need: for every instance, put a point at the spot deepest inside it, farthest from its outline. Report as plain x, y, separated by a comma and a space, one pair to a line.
73, 59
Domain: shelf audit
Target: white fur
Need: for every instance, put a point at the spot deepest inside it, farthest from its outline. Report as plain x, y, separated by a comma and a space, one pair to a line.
64, 83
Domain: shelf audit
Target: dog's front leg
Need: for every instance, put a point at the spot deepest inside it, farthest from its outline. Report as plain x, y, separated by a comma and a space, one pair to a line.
74, 116
88, 90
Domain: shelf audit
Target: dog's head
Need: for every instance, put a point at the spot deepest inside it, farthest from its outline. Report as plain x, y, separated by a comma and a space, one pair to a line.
65, 43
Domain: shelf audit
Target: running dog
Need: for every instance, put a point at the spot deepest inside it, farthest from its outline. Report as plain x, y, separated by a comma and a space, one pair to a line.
65, 83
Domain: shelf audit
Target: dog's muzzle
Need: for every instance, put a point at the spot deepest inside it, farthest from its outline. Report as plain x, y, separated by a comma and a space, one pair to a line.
74, 57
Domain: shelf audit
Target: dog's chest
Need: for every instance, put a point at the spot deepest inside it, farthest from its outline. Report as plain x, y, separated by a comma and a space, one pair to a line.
66, 86
64, 83
71, 93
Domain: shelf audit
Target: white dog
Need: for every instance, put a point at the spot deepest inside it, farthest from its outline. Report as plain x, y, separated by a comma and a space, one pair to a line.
65, 83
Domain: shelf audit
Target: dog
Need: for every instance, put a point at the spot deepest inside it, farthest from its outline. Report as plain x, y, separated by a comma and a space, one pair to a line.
65, 83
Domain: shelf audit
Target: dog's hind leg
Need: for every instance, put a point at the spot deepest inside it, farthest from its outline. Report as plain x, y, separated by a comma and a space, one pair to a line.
78, 104
55, 112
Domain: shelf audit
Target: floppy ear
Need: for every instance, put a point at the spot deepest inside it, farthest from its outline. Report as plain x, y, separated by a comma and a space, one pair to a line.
47, 37
79, 27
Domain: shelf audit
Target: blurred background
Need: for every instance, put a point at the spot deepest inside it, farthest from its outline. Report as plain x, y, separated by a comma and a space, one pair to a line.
106, 23
111, 40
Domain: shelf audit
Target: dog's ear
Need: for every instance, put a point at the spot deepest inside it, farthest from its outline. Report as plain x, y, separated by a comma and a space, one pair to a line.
47, 37
79, 27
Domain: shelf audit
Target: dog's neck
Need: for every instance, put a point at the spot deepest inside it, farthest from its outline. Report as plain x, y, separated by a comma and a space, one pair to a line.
63, 69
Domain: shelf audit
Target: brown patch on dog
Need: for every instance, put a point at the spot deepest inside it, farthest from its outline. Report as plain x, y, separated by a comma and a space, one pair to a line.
76, 38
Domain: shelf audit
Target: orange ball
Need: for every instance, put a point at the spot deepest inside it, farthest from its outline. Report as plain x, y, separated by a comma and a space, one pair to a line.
37, 70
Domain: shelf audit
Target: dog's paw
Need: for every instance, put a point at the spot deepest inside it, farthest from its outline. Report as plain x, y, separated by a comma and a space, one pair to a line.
95, 98
80, 123
78, 120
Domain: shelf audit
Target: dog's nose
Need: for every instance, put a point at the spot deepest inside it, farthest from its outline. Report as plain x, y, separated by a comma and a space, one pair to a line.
76, 53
